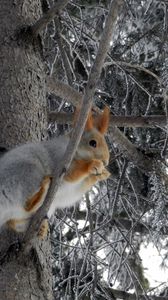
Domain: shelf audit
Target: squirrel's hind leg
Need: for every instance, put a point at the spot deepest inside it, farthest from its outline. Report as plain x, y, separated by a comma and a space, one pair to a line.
18, 225
31, 206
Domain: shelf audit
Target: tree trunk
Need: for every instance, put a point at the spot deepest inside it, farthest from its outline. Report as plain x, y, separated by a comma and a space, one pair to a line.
22, 77
23, 118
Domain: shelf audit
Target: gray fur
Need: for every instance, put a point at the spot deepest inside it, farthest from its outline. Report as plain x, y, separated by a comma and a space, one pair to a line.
22, 171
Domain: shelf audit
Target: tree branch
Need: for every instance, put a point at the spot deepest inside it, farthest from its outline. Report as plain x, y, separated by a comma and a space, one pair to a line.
65, 61
77, 132
64, 91
119, 121
138, 67
129, 150
45, 19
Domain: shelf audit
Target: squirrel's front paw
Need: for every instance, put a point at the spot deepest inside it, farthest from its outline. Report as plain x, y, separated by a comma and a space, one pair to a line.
105, 174
96, 167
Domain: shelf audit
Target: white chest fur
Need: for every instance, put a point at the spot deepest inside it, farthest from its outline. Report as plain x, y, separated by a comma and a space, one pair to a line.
67, 195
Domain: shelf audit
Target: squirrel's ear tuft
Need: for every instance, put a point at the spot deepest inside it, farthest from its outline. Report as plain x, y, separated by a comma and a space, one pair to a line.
89, 122
102, 121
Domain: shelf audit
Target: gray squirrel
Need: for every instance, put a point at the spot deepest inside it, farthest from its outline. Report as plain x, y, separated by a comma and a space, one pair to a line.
26, 173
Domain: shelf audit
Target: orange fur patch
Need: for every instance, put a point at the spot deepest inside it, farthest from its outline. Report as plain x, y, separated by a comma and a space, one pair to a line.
33, 202
89, 122
78, 169
12, 223
44, 228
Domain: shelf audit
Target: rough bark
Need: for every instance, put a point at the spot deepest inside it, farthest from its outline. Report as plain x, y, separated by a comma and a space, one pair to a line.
22, 78
22, 118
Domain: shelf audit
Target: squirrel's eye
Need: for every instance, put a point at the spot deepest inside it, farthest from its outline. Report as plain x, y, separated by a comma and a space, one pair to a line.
93, 143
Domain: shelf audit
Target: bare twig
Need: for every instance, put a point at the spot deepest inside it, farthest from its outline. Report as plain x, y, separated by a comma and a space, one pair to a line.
164, 150
138, 67
128, 296
65, 61
119, 186
77, 133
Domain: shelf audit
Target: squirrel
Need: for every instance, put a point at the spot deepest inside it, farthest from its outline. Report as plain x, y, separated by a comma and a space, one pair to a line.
26, 173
